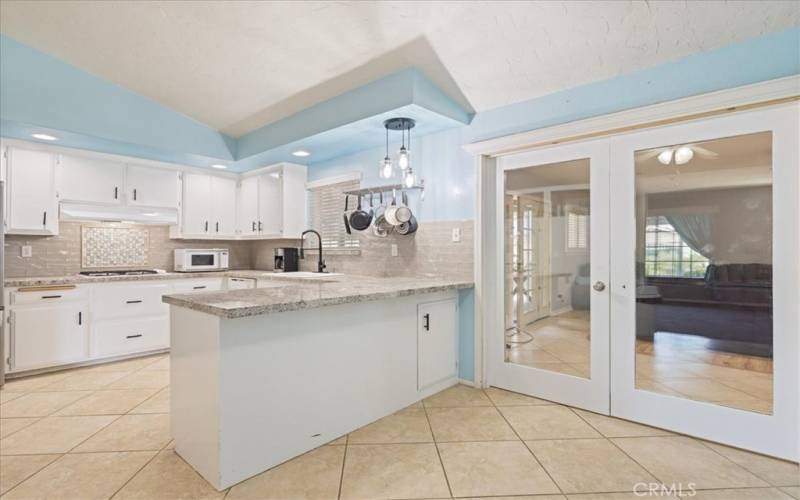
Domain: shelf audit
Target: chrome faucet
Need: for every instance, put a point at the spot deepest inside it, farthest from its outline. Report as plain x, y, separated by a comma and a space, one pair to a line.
321, 263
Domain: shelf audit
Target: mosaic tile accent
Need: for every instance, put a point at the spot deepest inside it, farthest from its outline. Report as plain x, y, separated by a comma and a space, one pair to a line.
111, 246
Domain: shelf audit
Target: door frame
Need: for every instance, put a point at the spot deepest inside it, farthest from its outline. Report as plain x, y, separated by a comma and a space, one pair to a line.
775, 434
592, 393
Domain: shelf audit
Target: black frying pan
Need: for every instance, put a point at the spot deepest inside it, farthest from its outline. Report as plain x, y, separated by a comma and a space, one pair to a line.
360, 219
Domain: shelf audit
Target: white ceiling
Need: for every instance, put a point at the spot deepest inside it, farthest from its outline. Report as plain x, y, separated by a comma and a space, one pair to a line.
239, 65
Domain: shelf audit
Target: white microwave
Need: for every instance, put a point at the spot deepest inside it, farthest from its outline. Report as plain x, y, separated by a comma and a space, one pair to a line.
189, 260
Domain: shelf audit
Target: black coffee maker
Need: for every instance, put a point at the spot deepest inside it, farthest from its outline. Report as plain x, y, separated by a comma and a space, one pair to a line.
286, 260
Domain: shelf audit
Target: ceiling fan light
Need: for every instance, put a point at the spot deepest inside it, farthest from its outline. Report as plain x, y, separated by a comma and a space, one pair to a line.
683, 155
665, 157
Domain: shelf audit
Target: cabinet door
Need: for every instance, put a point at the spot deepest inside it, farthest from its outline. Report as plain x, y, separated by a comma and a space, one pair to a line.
32, 204
437, 342
152, 187
270, 204
91, 180
49, 335
223, 191
248, 207
197, 204
197, 285
241, 283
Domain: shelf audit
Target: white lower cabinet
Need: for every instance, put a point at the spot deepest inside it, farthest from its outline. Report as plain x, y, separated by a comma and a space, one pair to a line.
48, 334
50, 327
126, 336
437, 342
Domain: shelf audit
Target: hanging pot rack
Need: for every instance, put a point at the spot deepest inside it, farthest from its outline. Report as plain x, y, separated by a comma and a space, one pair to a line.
387, 188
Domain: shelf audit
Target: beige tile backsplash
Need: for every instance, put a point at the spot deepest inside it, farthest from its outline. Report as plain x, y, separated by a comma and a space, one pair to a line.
428, 252
61, 255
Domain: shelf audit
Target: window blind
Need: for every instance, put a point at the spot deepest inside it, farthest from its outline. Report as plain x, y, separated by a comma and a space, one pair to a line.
326, 206
577, 230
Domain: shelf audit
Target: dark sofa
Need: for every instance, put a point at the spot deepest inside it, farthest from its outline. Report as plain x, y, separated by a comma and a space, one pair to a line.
733, 303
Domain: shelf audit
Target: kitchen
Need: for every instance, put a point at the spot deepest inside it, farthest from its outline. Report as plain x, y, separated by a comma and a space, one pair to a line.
286, 250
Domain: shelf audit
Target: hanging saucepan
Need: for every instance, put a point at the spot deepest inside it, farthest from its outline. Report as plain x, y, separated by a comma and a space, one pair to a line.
346, 220
397, 214
360, 219
407, 227
380, 227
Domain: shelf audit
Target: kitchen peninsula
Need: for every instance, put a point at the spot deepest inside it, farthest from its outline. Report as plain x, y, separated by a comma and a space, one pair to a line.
262, 375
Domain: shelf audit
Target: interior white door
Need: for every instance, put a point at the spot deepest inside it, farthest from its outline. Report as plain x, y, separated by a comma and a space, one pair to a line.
562, 355
705, 237
197, 204
91, 180
270, 204
223, 190
152, 187
248, 207
32, 204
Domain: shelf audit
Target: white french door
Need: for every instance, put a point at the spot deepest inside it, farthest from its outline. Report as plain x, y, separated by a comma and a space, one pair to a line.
704, 289
669, 261
551, 338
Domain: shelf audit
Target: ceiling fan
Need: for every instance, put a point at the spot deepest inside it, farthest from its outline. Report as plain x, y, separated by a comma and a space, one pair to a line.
680, 155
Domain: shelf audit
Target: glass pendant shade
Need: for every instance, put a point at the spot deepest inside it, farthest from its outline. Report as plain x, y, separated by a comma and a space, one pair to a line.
409, 179
402, 158
386, 168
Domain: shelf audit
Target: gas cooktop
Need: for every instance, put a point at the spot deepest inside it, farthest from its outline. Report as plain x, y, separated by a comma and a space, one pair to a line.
131, 272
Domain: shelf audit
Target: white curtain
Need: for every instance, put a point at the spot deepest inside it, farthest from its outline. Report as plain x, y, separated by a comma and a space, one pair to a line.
695, 230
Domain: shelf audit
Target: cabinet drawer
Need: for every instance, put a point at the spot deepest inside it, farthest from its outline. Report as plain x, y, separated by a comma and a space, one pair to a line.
43, 295
197, 285
129, 300
111, 338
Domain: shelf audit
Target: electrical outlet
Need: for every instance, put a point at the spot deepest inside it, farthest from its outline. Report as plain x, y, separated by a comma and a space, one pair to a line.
456, 234
27, 251
394, 250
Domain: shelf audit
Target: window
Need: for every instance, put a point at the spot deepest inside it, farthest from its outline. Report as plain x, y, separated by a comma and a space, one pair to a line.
577, 229
326, 208
667, 255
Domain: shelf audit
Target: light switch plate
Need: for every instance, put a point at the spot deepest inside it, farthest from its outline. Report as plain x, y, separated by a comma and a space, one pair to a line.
27, 251
394, 249
456, 234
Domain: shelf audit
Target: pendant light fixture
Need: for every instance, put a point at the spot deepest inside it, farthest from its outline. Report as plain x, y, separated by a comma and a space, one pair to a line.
386, 164
404, 125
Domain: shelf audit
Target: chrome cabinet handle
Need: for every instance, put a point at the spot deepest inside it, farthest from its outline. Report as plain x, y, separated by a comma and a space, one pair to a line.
259, 225
206, 226
116, 192
133, 336
427, 325
254, 226
134, 194
217, 227
599, 286
44, 218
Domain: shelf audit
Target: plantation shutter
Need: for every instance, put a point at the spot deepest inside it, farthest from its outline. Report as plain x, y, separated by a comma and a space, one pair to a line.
326, 206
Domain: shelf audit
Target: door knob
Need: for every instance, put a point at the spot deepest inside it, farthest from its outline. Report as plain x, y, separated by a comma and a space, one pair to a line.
599, 286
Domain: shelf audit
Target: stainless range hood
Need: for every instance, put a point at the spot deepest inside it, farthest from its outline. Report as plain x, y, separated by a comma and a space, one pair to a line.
138, 215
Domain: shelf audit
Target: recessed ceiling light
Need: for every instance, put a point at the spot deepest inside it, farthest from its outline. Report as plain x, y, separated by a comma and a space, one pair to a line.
218, 166
301, 153
44, 137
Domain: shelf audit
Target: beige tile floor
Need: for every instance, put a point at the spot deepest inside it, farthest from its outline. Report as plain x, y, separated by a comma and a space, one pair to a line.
69, 436
679, 365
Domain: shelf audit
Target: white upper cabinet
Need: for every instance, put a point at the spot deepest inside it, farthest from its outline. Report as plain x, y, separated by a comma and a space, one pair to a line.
272, 204
197, 205
270, 218
223, 192
247, 219
91, 180
32, 198
152, 187
209, 206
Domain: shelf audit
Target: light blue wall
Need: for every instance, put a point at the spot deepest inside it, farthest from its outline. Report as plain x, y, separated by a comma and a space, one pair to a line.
466, 334
41, 91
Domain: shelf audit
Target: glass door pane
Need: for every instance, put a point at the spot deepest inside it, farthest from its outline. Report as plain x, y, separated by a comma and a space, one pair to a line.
704, 271
547, 267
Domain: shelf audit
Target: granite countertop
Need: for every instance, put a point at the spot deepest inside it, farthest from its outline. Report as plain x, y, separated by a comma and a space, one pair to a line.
281, 296
77, 279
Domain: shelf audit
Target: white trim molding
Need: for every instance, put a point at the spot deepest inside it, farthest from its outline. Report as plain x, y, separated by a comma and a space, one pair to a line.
327, 181
734, 99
